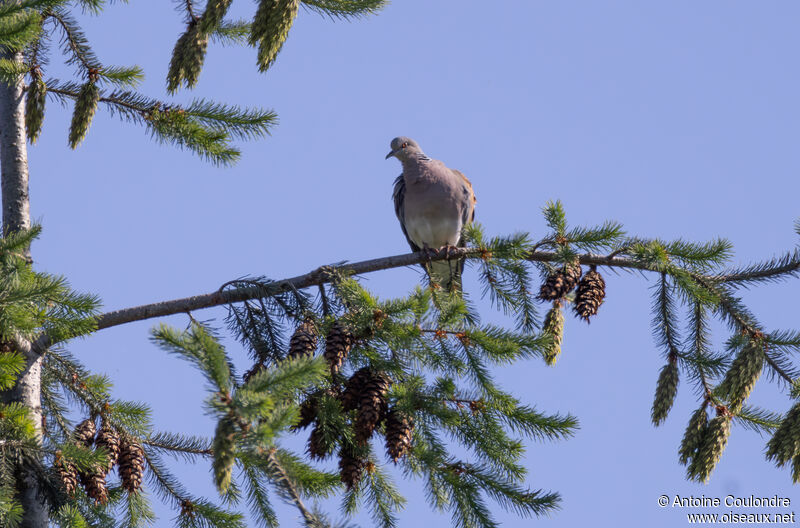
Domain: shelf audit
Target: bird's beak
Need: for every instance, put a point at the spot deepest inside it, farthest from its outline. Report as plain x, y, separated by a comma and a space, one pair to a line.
390, 154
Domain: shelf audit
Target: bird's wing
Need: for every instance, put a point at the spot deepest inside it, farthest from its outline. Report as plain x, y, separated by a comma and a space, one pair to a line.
468, 208
399, 197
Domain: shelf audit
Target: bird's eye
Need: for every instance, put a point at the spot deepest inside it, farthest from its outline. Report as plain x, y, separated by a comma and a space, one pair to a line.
404, 145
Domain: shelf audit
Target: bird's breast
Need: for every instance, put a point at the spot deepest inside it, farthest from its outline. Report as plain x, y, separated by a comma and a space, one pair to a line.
431, 220
433, 232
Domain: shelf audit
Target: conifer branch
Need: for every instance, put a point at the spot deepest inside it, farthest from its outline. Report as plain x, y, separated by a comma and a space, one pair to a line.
322, 276
664, 322
772, 270
731, 308
188, 6
172, 443
345, 9
699, 346
284, 483
74, 40
203, 127
777, 368
197, 511
316, 278
758, 420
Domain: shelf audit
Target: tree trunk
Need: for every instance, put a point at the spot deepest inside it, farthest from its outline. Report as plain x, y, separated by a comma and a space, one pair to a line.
14, 154
17, 215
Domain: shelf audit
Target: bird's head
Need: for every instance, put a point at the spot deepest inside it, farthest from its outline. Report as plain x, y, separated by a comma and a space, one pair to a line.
404, 148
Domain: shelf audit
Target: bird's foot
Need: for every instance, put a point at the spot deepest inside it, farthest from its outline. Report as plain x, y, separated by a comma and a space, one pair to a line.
450, 251
429, 252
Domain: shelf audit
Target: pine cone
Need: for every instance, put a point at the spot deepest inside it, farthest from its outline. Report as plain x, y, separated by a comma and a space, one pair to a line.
35, 98
131, 465
351, 468
337, 346
177, 68
67, 473
372, 406
693, 437
561, 282
85, 107
399, 430
353, 387
84, 432
554, 327
590, 295
213, 15
318, 447
95, 485
785, 442
666, 389
743, 374
194, 53
108, 439
572, 274
223, 448
710, 451
303, 341
308, 412
270, 28
187, 57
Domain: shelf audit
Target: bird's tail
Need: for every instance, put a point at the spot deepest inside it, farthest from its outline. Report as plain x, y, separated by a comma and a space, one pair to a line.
446, 273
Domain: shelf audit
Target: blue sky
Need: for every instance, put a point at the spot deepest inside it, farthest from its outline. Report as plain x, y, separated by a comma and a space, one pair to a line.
677, 119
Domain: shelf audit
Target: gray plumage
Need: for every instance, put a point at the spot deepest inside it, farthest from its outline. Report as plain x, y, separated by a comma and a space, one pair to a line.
432, 203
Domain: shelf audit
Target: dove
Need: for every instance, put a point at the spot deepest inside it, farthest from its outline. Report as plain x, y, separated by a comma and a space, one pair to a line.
433, 203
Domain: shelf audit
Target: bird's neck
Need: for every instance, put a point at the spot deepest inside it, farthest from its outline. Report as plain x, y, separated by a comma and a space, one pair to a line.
415, 161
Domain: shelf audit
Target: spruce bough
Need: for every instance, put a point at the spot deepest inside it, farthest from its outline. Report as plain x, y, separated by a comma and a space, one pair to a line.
436, 360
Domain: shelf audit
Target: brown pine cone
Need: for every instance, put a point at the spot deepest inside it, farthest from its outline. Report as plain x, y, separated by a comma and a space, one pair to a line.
67, 473
131, 465
308, 412
399, 430
318, 447
351, 468
84, 432
353, 387
372, 405
303, 341
108, 439
590, 294
337, 346
95, 485
561, 282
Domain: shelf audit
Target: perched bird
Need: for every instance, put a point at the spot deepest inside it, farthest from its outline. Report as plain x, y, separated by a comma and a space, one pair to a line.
433, 203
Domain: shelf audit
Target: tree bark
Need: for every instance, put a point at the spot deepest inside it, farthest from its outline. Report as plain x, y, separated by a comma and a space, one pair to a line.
16, 216
14, 154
